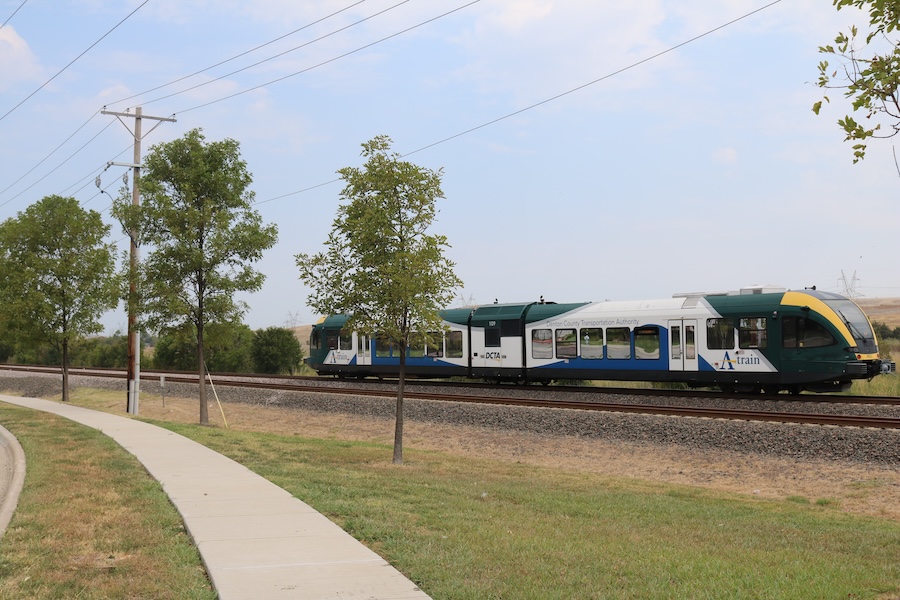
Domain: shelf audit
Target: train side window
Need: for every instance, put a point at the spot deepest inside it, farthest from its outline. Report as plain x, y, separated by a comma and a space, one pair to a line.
416, 347
454, 344
675, 343
345, 340
566, 343
315, 339
331, 338
541, 343
591, 342
690, 344
618, 343
720, 334
800, 332
492, 337
510, 328
436, 345
752, 332
646, 343
382, 347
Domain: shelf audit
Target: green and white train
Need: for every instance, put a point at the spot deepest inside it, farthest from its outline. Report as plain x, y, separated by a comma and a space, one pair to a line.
756, 339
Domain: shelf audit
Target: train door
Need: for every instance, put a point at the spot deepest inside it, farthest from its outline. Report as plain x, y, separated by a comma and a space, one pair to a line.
364, 350
683, 345
502, 345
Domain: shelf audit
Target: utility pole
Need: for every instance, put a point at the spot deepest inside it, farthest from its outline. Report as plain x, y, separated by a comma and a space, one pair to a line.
134, 338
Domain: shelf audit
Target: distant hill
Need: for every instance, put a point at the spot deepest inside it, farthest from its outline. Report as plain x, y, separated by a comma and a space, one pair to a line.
302, 334
885, 310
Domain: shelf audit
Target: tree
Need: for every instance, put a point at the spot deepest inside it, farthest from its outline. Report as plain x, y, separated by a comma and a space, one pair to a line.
226, 348
380, 266
276, 350
106, 352
57, 275
885, 332
870, 76
196, 215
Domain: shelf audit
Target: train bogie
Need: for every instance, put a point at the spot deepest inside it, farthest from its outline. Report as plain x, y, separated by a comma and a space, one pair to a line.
754, 340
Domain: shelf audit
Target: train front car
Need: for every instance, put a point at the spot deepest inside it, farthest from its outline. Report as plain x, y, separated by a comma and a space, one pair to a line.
851, 328
815, 341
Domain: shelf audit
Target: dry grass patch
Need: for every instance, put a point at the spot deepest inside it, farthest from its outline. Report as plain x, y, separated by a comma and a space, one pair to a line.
91, 523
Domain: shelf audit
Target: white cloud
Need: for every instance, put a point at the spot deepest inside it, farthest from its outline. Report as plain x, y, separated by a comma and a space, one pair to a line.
17, 62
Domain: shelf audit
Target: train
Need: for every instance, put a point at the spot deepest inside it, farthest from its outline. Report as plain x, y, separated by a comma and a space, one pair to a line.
756, 339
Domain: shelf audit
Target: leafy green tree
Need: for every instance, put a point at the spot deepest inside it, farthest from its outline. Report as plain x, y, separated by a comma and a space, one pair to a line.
885, 332
57, 275
175, 350
196, 216
105, 352
869, 75
276, 350
227, 348
380, 266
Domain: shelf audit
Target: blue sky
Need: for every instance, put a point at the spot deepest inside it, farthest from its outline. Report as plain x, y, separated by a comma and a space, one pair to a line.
700, 169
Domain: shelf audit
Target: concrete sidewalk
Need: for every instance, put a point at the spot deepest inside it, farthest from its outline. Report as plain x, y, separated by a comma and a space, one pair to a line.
256, 540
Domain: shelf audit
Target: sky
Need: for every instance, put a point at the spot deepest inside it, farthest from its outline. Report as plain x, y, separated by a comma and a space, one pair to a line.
589, 149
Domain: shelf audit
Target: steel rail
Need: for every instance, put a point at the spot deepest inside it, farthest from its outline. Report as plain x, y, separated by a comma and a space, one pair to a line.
825, 398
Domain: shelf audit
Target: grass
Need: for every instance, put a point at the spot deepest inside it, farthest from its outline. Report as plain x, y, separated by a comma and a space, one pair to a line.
91, 523
464, 528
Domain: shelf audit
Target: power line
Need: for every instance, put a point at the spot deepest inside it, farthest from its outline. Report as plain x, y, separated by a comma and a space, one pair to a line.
85, 181
73, 62
327, 35
57, 166
52, 152
13, 14
331, 60
47, 157
223, 62
236, 56
595, 81
550, 99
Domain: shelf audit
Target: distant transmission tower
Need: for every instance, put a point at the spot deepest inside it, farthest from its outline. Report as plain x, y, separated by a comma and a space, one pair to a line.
292, 319
849, 287
467, 302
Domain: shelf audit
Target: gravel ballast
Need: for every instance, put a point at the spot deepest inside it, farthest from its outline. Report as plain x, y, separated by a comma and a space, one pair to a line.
864, 446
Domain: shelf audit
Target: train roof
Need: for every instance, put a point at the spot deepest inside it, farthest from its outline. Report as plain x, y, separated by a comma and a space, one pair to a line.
750, 298
531, 311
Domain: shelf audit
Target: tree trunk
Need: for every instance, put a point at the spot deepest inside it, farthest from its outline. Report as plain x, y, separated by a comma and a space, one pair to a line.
398, 427
65, 371
201, 371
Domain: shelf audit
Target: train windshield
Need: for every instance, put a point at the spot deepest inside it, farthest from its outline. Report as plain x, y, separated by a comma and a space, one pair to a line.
857, 323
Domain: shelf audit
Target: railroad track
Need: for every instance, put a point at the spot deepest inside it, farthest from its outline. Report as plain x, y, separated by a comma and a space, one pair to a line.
295, 385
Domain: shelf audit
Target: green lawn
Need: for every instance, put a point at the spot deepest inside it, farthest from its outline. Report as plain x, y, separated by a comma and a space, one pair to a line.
92, 524
464, 528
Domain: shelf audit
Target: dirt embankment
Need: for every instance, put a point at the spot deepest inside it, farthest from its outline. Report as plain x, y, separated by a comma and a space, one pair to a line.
885, 310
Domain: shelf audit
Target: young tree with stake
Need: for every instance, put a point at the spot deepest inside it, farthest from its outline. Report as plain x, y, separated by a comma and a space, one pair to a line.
380, 266
196, 216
